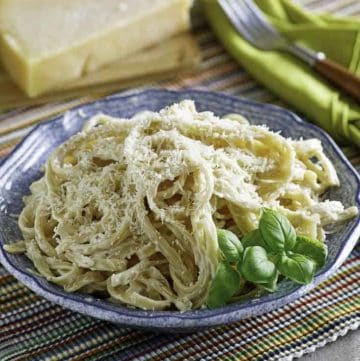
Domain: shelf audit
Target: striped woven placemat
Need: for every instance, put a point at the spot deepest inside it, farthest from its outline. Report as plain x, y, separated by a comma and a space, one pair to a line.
32, 328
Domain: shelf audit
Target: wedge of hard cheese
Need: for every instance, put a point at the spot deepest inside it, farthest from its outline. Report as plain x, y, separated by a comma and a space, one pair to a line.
174, 55
47, 43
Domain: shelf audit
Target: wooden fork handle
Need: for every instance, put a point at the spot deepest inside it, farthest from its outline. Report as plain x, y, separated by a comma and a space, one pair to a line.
339, 76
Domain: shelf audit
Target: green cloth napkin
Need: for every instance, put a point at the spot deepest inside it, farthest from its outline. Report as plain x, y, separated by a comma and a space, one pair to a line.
290, 78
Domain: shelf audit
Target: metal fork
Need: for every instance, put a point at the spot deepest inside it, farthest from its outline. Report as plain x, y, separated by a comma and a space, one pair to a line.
250, 22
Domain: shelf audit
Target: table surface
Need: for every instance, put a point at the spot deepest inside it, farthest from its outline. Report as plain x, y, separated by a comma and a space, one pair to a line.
219, 73
346, 348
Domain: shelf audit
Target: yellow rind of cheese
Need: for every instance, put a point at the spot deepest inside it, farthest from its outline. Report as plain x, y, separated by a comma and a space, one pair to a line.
47, 43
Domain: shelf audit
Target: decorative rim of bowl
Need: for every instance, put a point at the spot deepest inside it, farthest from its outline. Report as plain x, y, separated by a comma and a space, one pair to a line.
194, 319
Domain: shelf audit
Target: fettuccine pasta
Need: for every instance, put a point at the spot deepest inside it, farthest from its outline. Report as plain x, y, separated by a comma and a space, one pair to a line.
130, 207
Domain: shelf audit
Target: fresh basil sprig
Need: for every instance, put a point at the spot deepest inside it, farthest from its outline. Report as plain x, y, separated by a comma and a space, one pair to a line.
313, 249
263, 254
253, 238
224, 285
277, 232
256, 267
227, 278
230, 245
298, 257
297, 267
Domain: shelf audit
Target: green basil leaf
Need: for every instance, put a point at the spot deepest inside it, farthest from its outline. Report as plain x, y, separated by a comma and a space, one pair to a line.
256, 267
277, 231
312, 248
253, 238
225, 283
297, 267
230, 245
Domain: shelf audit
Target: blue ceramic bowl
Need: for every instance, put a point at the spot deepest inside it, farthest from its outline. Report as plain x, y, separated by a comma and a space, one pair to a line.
23, 166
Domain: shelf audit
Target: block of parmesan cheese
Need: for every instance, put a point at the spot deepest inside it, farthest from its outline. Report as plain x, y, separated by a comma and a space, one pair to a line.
45, 43
168, 59
173, 56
